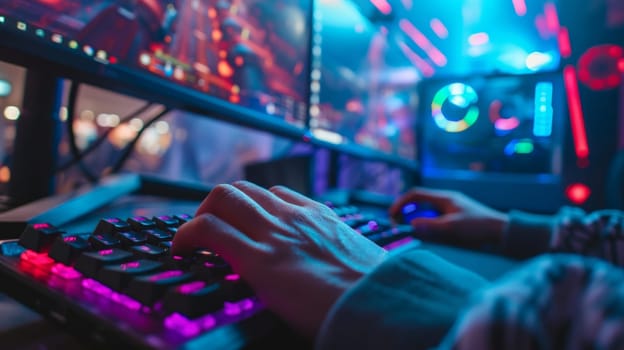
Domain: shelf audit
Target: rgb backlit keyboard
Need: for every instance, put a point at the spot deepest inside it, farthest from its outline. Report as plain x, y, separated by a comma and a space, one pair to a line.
119, 284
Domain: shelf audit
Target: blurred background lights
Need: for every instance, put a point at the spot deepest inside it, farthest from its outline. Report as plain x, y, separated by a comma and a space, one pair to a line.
5, 88
536, 61
107, 120
578, 193
12, 113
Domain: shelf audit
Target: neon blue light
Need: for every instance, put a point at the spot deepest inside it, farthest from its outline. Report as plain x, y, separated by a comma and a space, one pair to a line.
543, 122
536, 61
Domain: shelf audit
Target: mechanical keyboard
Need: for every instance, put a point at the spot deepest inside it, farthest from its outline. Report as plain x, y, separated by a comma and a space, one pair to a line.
120, 286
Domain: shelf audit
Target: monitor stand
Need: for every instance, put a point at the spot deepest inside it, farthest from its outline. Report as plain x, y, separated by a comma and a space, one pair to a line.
37, 138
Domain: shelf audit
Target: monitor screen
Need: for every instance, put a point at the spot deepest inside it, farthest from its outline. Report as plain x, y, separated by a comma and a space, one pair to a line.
504, 125
374, 54
194, 53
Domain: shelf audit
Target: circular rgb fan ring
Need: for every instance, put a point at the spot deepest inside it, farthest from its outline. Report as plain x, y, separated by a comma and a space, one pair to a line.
461, 95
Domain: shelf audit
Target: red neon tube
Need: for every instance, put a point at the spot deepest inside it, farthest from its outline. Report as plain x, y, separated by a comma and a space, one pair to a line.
577, 119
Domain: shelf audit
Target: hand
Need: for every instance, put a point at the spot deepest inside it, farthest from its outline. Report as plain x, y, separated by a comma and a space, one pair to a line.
463, 220
296, 253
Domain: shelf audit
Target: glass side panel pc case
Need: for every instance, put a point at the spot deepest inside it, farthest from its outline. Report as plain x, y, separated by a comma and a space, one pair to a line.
204, 55
495, 134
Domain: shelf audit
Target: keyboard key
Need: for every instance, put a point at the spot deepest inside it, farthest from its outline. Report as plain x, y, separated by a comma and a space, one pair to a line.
391, 235
235, 289
371, 228
39, 237
165, 222
148, 289
104, 241
156, 236
176, 262
148, 251
165, 245
209, 266
91, 262
67, 249
118, 276
183, 218
140, 223
111, 225
194, 299
130, 238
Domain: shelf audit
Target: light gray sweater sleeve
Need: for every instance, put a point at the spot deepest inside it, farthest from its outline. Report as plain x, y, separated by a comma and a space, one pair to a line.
527, 234
409, 301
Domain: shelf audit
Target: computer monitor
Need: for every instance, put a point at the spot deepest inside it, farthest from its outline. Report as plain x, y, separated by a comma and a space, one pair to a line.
373, 54
496, 135
246, 61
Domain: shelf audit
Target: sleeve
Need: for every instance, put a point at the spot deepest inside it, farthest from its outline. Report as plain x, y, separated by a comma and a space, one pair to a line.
554, 302
409, 301
599, 234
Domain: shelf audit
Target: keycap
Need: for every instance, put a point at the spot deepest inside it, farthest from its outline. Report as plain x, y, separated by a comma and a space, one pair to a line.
390, 235
148, 251
39, 237
140, 223
90, 263
104, 241
156, 236
66, 249
371, 227
111, 225
130, 238
117, 276
194, 299
165, 222
209, 266
150, 288
183, 218
235, 289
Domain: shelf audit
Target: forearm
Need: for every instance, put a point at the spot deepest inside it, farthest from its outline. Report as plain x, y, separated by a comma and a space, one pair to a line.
599, 234
410, 301
558, 302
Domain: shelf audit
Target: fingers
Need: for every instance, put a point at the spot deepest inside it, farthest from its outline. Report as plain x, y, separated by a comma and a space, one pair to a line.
291, 196
208, 231
266, 199
438, 198
238, 209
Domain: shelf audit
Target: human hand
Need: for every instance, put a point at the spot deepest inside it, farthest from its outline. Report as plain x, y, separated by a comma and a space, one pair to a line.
296, 253
462, 220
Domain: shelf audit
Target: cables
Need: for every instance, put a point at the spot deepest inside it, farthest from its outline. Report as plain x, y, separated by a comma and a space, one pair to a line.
73, 146
78, 156
127, 151
95, 144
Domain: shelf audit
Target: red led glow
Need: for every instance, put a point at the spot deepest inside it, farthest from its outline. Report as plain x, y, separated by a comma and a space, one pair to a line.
565, 46
552, 17
599, 67
577, 118
41, 260
621, 65
578, 193
42, 226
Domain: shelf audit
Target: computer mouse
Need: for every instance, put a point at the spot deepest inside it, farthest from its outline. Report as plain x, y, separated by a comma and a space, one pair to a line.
413, 210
